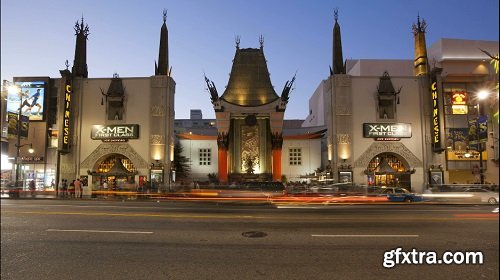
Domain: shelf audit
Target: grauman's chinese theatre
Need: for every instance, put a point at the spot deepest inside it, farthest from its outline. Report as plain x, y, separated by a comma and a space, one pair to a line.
120, 129
249, 116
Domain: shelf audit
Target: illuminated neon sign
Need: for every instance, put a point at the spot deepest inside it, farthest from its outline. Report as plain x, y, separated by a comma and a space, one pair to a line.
435, 124
459, 103
66, 118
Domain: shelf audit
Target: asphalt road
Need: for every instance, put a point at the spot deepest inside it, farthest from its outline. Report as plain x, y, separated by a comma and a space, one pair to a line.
54, 239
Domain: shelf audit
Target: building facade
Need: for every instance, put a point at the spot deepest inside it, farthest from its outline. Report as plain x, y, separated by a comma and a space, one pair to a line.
393, 122
115, 130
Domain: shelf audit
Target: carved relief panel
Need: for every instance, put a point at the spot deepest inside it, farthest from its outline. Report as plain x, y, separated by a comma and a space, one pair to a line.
250, 147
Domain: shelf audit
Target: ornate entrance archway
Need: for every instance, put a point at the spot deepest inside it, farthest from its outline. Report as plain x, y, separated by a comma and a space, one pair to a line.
101, 165
118, 171
391, 161
389, 170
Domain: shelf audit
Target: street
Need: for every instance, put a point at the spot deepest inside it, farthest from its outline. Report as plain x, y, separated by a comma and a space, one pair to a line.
72, 239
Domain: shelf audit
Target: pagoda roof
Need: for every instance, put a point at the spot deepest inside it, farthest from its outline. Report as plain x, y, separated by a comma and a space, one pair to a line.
249, 82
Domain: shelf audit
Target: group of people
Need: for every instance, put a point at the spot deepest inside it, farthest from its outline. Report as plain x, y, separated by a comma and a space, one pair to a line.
73, 190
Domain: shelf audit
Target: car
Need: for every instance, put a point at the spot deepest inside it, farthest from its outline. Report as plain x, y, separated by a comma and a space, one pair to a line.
397, 194
485, 196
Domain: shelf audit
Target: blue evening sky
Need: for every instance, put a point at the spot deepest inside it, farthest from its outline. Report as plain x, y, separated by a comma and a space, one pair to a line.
38, 36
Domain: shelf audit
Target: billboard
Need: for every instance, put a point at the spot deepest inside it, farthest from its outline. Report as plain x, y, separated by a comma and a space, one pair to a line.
29, 97
120, 131
377, 130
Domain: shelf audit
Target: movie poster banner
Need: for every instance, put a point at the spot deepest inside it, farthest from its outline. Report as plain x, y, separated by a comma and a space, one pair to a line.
29, 96
478, 130
12, 127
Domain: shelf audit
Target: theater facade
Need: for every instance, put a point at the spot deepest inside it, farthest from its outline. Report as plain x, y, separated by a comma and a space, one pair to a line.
410, 123
115, 130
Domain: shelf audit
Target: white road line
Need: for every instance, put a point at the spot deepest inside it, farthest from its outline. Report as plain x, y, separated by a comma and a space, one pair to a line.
374, 210
365, 235
100, 231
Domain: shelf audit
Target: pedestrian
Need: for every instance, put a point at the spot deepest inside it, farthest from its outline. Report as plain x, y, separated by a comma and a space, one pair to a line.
64, 188
105, 187
71, 189
147, 186
78, 188
32, 188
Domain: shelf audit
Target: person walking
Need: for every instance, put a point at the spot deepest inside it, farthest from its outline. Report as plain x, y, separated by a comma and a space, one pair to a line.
32, 188
64, 188
78, 188
71, 189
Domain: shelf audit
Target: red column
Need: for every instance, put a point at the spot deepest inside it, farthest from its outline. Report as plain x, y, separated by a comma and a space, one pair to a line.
222, 162
276, 164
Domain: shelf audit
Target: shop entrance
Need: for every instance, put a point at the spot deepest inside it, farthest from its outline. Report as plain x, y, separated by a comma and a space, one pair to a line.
118, 171
389, 170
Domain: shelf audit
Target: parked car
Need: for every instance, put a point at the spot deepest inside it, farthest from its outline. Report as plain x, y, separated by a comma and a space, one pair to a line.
484, 195
397, 194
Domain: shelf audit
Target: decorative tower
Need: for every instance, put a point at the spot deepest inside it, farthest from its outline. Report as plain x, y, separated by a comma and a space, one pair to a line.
80, 62
338, 60
162, 67
420, 64
161, 112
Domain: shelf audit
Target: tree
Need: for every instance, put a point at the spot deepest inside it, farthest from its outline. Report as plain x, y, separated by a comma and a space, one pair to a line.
213, 178
181, 163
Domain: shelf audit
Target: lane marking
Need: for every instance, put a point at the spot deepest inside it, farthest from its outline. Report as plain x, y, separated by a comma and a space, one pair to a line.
194, 216
373, 210
99, 231
229, 216
476, 215
366, 235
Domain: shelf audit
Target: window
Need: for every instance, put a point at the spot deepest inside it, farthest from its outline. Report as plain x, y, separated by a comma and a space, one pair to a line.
295, 156
205, 156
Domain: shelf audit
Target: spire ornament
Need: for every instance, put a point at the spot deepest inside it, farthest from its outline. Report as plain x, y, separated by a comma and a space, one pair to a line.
162, 66
237, 40
337, 58
165, 16
420, 26
80, 61
81, 29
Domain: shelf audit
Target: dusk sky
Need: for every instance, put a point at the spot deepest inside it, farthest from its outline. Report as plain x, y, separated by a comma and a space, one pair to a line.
37, 37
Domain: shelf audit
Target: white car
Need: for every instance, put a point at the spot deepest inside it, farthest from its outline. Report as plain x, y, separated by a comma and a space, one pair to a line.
485, 195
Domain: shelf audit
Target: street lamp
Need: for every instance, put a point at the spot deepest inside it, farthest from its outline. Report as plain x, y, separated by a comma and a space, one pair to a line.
481, 95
